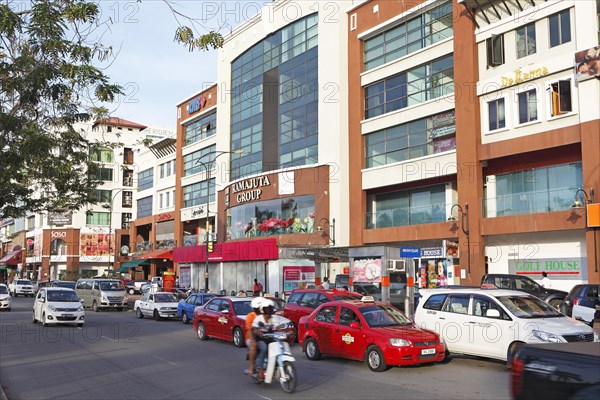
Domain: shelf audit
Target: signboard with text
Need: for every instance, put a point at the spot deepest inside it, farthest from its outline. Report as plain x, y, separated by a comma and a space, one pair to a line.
559, 267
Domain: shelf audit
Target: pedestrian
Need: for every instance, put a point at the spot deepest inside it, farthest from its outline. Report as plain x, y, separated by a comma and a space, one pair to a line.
546, 282
257, 288
177, 281
325, 283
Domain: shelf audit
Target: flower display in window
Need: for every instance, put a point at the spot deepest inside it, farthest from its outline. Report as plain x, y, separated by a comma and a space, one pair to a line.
275, 225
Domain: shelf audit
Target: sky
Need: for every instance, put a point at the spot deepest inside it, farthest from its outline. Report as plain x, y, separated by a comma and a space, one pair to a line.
155, 71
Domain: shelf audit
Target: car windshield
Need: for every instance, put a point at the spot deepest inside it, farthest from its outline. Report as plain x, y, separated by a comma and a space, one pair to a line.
111, 286
23, 282
370, 289
3, 290
70, 285
380, 316
62, 296
528, 307
164, 298
242, 307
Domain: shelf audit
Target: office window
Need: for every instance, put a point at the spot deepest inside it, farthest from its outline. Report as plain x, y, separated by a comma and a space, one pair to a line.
495, 50
497, 118
97, 218
411, 36
144, 207
560, 97
101, 154
526, 40
162, 171
415, 86
31, 223
527, 106
200, 129
560, 28
167, 199
146, 179
160, 201
198, 161
196, 194
100, 196
103, 174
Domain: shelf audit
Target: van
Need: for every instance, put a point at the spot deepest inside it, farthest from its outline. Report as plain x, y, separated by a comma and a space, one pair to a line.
102, 294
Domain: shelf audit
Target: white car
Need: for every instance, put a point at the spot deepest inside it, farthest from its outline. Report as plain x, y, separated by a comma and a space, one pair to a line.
157, 305
58, 305
22, 287
494, 323
5, 300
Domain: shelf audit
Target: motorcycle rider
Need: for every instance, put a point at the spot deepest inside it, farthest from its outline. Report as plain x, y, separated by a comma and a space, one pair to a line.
250, 341
266, 322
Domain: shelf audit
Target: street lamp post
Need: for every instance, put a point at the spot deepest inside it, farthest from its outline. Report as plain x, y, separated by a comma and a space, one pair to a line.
464, 221
110, 212
208, 167
578, 204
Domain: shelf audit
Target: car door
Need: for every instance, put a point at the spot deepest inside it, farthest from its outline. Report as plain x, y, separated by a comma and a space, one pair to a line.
39, 304
454, 321
211, 314
325, 327
349, 342
144, 303
491, 331
190, 305
225, 319
587, 300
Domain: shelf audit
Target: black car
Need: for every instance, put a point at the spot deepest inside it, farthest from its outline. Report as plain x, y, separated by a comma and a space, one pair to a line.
525, 284
581, 302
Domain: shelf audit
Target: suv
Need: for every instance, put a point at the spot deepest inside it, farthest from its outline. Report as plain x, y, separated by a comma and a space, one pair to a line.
21, 287
525, 284
581, 302
302, 302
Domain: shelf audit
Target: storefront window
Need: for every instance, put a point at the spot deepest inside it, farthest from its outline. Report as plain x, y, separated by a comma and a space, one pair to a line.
272, 217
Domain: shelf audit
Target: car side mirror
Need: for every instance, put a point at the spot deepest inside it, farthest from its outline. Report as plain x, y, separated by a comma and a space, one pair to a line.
492, 313
42, 299
354, 325
81, 300
224, 311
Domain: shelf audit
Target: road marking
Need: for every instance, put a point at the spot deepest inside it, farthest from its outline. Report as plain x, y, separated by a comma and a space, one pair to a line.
162, 359
107, 338
260, 395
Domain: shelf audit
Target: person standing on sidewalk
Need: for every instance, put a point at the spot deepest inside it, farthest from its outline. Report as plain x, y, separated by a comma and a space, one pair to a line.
546, 282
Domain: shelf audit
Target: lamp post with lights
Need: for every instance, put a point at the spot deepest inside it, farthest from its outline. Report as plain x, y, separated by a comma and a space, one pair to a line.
464, 226
587, 200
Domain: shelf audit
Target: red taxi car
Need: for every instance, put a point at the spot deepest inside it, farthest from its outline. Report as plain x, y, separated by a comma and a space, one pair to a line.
223, 318
365, 329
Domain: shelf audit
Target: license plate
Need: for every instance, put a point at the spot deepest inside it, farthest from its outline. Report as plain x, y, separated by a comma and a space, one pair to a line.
66, 315
427, 351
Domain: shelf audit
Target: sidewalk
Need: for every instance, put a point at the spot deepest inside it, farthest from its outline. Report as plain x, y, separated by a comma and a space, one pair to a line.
2, 395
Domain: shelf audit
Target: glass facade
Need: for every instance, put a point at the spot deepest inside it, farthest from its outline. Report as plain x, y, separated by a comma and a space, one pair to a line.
196, 194
422, 137
275, 101
408, 207
272, 217
193, 162
415, 86
97, 218
539, 190
144, 207
146, 179
413, 35
200, 129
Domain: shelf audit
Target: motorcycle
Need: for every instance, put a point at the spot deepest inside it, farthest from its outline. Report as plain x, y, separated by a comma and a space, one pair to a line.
279, 364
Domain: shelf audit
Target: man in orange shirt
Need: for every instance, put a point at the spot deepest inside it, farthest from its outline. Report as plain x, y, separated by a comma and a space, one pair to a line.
250, 342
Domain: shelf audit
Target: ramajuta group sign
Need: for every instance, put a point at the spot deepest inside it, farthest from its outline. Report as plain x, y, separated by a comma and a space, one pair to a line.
560, 268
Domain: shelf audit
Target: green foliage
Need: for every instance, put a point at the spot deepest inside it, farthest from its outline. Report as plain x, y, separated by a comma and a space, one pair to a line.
185, 35
47, 70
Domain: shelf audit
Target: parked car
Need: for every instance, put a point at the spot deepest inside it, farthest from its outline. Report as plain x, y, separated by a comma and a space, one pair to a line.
556, 371
375, 332
67, 284
302, 302
135, 287
102, 294
158, 305
494, 323
5, 300
367, 289
186, 307
581, 302
223, 318
23, 287
525, 284
58, 305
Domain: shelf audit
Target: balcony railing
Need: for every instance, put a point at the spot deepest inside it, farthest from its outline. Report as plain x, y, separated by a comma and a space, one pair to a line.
529, 203
407, 216
143, 246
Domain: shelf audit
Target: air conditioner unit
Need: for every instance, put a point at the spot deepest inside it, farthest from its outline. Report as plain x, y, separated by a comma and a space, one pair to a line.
397, 266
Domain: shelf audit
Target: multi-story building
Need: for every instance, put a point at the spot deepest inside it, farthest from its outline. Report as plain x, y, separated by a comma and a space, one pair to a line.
263, 157
470, 111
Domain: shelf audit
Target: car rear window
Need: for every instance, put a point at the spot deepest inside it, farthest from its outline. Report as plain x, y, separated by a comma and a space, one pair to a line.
294, 298
435, 302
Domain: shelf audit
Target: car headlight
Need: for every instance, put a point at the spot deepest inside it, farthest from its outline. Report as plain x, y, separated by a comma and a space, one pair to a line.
104, 298
51, 308
596, 337
80, 308
548, 337
399, 342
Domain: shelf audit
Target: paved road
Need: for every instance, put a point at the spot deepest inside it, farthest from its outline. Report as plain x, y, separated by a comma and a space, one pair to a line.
117, 356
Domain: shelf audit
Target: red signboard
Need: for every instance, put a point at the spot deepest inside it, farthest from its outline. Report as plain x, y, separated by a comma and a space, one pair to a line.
265, 249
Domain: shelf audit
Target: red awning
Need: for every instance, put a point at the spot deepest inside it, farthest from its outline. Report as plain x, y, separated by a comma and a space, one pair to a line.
164, 253
11, 258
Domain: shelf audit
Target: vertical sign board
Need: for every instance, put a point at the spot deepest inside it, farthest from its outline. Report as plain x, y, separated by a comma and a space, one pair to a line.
297, 277
593, 215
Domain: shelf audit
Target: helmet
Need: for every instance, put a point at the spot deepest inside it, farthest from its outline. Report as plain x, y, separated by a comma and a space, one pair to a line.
266, 303
256, 302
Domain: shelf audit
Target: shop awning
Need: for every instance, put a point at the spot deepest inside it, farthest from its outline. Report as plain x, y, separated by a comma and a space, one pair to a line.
164, 253
133, 263
11, 258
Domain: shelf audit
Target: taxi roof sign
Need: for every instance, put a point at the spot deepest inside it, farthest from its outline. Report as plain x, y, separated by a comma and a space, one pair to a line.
488, 286
367, 299
241, 294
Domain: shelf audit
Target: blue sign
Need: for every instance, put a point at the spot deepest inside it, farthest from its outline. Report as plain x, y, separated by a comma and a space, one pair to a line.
196, 104
410, 252
432, 252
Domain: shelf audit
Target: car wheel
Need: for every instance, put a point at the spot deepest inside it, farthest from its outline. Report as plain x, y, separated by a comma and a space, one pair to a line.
556, 303
35, 321
156, 315
512, 352
80, 325
95, 306
131, 291
238, 337
184, 317
375, 359
312, 350
138, 313
201, 331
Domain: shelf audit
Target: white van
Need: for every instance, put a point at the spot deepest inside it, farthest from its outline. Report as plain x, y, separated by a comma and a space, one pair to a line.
494, 323
57, 305
100, 294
